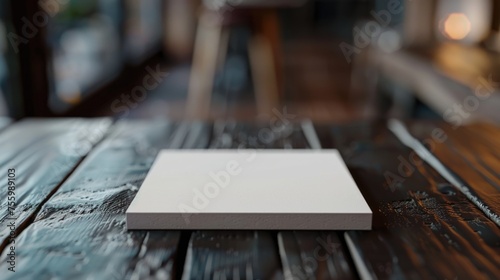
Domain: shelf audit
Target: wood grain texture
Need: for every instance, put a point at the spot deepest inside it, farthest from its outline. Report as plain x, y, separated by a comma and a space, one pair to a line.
422, 227
42, 152
472, 154
447, 75
274, 134
314, 255
80, 233
232, 255
241, 254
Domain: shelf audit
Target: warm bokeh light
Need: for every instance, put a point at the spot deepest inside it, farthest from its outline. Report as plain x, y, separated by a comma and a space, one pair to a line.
70, 97
457, 26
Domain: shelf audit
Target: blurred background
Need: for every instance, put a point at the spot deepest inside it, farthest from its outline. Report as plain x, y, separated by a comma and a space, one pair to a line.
327, 60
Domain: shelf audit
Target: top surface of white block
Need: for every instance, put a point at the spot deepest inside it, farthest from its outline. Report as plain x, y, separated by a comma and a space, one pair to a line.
250, 182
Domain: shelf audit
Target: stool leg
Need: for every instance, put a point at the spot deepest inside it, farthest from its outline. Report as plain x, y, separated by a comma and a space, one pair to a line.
264, 75
265, 61
204, 66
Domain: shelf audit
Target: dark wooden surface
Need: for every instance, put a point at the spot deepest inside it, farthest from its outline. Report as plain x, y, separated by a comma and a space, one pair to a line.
240, 254
315, 255
83, 225
73, 219
445, 76
423, 227
43, 153
467, 153
232, 255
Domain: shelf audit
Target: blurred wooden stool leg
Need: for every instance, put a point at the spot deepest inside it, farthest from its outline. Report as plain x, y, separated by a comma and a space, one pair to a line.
269, 27
265, 61
179, 28
205, 59
264, 75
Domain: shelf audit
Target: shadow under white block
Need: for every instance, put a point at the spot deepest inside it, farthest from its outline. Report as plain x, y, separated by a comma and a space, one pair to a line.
249, 189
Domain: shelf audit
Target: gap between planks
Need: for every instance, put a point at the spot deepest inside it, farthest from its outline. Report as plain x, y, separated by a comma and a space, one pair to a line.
132, 145
402, 133
24, 224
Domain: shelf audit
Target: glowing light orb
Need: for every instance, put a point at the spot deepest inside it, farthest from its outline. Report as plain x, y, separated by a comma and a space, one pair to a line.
457, 26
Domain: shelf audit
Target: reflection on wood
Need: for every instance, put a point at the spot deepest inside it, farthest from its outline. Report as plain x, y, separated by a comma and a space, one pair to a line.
471, 154
448, 77
314, 255
273, 134
423, 227
81, 232
232, 255
43, 153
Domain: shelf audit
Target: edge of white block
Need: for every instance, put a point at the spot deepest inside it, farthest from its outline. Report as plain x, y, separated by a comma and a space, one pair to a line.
249, 221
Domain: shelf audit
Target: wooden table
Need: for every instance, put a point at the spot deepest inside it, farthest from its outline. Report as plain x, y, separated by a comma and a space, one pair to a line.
444, 77
76, 177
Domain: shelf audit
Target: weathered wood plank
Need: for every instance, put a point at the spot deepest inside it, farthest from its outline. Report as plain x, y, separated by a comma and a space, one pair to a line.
80, 233
241, 254
314, 254
42, 152
423, 227
232, 255
472, 155
233, 135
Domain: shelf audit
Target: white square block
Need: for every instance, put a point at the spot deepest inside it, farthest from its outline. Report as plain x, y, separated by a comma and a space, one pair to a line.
249, 189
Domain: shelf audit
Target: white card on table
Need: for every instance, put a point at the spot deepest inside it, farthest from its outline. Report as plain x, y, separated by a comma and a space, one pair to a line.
249, 189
